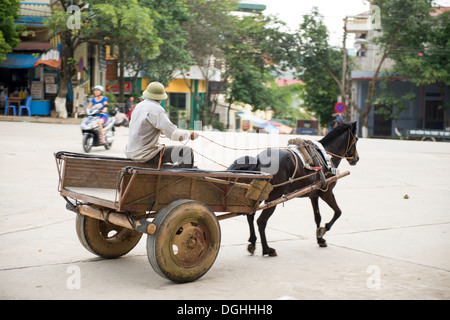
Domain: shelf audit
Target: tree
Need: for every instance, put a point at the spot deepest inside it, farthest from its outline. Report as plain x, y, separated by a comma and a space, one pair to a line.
9, 32
208, 27
390, 105
319, 65
249, 51
248, 85
127, 25
67, 23
403, 23
425, 58
173, 54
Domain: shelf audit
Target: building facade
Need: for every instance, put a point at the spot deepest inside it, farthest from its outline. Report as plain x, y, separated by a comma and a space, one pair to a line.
423, 112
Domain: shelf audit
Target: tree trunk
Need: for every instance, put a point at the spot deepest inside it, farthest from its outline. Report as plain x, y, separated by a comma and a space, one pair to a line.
364, 128
122, 75
228, 115
67, 70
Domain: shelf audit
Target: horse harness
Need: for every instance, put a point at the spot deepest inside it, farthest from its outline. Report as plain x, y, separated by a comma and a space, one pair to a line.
308, 152
310, 156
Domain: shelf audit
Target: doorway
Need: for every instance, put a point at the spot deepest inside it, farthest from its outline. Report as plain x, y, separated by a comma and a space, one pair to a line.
381, 126
434, 115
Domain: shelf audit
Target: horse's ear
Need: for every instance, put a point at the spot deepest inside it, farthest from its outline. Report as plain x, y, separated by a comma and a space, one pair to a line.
354, 126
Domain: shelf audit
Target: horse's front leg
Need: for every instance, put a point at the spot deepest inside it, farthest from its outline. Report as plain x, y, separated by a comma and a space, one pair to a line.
320, 231
329, 198
251, 247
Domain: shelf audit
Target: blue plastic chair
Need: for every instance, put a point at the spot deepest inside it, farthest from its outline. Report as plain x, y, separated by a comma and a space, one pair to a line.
7, 106
26, 106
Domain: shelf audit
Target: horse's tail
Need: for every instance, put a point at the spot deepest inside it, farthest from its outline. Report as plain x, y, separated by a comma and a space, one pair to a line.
245, 163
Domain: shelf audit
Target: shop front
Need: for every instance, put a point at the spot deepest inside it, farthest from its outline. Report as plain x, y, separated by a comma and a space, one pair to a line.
23, 75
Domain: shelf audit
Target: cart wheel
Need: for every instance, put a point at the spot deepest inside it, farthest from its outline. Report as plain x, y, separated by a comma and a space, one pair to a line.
186, 242
104, 239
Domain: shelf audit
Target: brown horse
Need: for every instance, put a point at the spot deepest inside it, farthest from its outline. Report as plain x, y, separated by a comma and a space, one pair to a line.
340, 143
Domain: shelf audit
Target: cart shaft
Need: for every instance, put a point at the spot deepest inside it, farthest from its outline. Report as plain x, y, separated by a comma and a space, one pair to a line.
302, 192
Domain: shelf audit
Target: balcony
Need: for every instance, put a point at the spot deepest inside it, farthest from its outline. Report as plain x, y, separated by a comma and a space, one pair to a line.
34, 13
358, 24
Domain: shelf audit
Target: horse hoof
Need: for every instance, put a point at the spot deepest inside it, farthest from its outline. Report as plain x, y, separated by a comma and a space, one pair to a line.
251, 248
322, 243
271, 252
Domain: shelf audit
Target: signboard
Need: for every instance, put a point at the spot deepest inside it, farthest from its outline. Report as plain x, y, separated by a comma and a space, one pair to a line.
339, 107
37, 90
111, 70
51, 88
49, 79
80, 64
114, 88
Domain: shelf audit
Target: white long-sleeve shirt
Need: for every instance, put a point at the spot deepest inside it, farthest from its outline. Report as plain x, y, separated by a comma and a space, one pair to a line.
148, 120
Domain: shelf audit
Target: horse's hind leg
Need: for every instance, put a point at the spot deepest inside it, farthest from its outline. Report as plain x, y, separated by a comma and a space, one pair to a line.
262, 223
320, 231
251, 247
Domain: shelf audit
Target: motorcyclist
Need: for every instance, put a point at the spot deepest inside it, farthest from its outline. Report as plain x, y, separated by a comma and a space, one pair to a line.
100, 101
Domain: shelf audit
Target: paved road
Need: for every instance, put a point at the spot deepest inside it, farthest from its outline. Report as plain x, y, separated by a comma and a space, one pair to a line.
383, 247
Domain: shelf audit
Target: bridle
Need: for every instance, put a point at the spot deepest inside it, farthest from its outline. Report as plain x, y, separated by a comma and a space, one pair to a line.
350, 144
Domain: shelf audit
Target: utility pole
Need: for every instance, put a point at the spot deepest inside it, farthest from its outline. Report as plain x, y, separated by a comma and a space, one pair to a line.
344, 61
344, 74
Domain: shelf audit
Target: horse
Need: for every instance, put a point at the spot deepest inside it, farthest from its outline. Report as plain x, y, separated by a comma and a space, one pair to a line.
340, 143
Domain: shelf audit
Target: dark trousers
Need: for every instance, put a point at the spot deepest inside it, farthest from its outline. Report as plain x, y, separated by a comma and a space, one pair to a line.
180, 156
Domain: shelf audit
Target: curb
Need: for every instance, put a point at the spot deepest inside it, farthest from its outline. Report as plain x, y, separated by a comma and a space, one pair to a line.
37, 119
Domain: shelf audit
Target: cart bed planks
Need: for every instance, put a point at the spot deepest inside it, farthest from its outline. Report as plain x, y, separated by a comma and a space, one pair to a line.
124, 185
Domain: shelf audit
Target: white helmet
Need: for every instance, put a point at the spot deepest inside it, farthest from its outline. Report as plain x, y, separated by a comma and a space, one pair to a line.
99, 88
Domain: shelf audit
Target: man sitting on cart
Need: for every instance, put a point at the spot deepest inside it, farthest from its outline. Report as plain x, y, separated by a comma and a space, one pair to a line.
149, 120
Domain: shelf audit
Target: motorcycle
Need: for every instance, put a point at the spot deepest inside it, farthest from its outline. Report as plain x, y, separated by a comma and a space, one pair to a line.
91, 130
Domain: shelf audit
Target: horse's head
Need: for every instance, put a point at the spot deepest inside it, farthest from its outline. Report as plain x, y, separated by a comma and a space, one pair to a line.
352, 154
341, 143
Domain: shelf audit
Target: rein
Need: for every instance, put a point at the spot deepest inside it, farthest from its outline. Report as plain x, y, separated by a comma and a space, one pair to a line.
349, 146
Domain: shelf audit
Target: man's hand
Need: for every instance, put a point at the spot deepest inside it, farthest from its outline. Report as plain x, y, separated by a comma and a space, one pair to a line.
194, 135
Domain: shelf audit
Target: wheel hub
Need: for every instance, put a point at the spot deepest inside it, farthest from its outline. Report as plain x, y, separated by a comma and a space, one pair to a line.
191, 243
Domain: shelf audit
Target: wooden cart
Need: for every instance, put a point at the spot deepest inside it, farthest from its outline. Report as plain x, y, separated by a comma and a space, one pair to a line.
116, 201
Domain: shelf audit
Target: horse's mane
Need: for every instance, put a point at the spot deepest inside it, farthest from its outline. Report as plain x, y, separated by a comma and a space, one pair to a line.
336, 132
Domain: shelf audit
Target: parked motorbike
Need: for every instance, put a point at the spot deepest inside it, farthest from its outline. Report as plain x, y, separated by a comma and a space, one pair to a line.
91, 130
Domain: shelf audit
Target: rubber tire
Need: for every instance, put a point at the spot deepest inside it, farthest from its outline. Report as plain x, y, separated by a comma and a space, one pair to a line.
88, 142
95, 236
169, 221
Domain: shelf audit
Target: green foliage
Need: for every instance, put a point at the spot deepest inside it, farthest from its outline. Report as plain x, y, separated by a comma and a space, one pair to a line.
418, 42
173, 54
283, 99
390, 105
9, 32
314, 60
250, 56
127, 24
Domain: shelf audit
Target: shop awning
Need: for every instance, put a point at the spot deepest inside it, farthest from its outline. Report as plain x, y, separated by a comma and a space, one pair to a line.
270, 128
18, 61
52, 63
284, 129
260, 123
33, 46
257, 122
